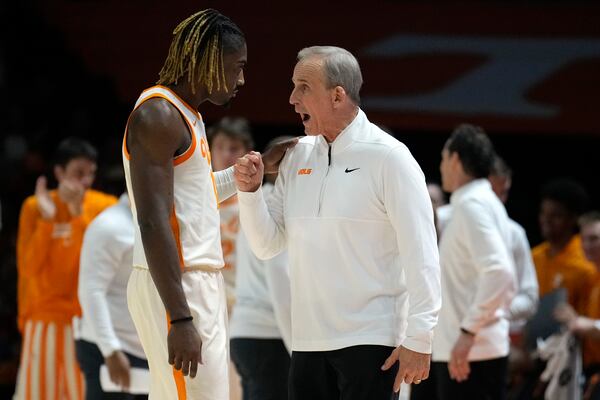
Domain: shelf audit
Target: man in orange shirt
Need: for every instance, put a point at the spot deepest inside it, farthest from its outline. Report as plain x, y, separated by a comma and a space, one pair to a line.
587, 325
51, 228
559, 261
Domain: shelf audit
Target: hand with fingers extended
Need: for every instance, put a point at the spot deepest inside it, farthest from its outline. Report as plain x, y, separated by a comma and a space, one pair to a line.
413, 366
274, 154
248, 172
185, 348
458, 366
45, 204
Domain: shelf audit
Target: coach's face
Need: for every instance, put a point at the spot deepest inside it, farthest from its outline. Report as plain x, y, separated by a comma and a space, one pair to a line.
311, 97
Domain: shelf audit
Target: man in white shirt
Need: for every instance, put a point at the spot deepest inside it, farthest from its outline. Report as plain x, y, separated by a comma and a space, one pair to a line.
524, 304
107, 334
352, 207
471, 342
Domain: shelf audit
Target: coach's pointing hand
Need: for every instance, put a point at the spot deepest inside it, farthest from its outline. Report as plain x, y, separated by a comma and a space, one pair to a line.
248, 172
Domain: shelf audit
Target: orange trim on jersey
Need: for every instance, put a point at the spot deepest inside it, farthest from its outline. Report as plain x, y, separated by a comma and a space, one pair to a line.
181, 158
192, 109
188, 153
175, 229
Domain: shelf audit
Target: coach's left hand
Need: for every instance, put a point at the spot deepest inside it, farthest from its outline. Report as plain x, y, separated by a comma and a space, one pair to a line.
414, 367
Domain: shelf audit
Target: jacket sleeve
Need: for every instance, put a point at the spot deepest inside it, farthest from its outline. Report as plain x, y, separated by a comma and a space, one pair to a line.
263, 220
411, 214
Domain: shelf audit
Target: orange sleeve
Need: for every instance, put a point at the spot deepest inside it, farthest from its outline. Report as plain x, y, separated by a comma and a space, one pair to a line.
33, 240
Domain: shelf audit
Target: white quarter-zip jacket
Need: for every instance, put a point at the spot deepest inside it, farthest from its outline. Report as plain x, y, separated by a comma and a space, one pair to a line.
478, 277
262, 294
358, 224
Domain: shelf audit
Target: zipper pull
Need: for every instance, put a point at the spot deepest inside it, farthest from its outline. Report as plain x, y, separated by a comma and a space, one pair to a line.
329, 156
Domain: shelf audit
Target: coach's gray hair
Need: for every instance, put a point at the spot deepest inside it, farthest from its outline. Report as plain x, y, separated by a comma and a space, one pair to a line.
340, 67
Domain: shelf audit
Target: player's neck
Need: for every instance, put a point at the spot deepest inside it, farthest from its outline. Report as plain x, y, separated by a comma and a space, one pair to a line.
184, 91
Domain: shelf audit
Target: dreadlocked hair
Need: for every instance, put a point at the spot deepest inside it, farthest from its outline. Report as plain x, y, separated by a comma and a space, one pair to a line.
197, 50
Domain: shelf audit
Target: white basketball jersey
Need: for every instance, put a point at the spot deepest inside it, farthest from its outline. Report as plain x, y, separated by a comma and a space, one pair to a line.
195, 216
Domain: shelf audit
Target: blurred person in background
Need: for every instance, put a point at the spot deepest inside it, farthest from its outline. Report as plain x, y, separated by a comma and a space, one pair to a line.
106, 332
229, 139
586, 324
51, 228
436, 194
524, 304
260, 327
471, 341
559, 260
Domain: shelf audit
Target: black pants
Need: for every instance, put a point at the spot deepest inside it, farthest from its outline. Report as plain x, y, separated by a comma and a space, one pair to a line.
90, 359
352, 373
263, 365
426, 390
487, 381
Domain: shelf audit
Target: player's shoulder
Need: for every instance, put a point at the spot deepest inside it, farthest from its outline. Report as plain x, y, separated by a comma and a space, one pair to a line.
155, 112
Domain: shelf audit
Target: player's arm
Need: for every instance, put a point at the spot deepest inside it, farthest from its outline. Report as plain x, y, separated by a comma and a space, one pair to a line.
225, 184
225, 180
154, 136
157, 133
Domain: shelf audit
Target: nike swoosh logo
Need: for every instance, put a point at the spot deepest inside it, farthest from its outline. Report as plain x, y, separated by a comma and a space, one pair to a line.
351, 170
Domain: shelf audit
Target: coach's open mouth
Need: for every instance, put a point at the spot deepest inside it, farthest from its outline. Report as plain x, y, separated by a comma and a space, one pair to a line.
305, 117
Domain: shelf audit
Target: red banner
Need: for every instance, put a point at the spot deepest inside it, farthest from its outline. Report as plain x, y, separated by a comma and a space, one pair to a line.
508, 67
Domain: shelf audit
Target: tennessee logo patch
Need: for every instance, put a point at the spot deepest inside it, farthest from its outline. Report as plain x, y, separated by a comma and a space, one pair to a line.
305, 171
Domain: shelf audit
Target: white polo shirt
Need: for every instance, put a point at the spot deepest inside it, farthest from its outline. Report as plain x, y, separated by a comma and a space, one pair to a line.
358, 223
105, 266
478, 278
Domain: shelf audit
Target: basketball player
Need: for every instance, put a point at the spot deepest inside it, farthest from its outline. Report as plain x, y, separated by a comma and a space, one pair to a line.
176, 293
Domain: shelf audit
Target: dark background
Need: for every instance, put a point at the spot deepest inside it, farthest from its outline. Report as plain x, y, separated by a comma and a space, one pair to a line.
77, 67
